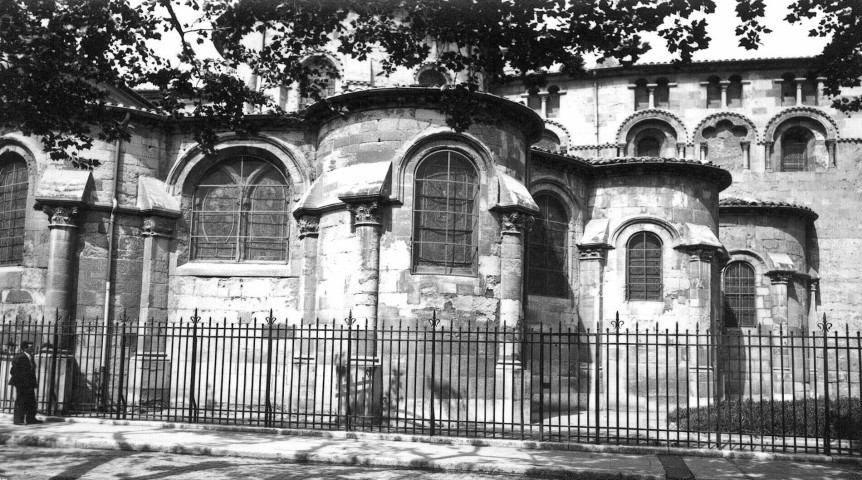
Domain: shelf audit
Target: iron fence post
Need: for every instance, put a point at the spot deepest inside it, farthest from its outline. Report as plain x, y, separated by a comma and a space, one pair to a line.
598, 379
541, 384
433, 323
347, 410
268, 414
824, 325
121, 398
193, 404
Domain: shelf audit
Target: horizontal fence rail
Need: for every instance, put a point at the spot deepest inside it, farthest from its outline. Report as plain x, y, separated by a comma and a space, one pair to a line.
779, 390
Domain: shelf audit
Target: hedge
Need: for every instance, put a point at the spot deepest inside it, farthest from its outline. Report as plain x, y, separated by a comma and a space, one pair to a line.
775, 418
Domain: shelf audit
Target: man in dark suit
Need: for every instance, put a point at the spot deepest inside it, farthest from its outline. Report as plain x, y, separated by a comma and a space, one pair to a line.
23, 378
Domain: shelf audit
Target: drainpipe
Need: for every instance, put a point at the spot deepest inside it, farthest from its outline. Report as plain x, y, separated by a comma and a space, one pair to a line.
596, 96
118, 154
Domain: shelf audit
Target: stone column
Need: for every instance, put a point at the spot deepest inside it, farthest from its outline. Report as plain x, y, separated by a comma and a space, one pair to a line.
151, 384
830, 148
724, 84
365, 367
513, 383
590, 310
309, 231
746, 154
782, 360
705, 380
60, 299
544, 97
621, 149
364, 284
680, 150
702, 151
767, 155
651, 89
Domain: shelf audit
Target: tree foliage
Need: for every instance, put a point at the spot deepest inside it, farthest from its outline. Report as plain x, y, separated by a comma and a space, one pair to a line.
58, 57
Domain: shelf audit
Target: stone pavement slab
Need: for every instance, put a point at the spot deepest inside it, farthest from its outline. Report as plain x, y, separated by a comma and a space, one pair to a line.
345, 448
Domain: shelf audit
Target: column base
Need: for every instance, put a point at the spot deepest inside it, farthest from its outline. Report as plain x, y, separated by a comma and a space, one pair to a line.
703, 387
150, 385
512, 405
363, 403
55, 374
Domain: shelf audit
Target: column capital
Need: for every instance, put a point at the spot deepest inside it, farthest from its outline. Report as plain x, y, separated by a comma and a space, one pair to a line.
365, 212
593, 251
60, 216
309, 226
780, 277
516, 222
744, 143
813, 284
154, 226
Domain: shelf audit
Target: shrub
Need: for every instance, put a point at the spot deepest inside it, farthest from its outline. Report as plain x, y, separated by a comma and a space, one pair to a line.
777, 418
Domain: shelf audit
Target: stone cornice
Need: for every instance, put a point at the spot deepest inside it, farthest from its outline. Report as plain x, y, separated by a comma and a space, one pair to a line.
735, 206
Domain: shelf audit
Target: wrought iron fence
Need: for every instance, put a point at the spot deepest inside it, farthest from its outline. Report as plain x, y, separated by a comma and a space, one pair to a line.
773, 390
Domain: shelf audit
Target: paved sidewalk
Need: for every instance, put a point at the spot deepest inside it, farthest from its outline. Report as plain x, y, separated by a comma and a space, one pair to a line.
404, 451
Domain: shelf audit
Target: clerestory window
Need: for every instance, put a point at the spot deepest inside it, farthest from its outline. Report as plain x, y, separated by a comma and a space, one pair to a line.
240, 213
444, 214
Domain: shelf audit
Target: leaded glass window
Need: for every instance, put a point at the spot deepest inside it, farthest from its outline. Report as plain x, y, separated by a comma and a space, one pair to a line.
739, 296
240, 213
13, 203
548, 249
444, 220
643, 268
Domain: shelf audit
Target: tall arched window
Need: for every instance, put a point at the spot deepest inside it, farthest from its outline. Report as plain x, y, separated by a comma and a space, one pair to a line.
13, 205
534, 101
321, 80
549, 140
444, 214
548, 249
788, 89
240, 213
643, 267
794, 149
739, 296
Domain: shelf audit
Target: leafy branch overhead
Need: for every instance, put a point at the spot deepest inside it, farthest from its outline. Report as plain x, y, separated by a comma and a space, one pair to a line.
59, 60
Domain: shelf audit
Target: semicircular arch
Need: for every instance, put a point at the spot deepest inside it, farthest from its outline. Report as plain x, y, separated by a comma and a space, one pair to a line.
652, 114
814, 114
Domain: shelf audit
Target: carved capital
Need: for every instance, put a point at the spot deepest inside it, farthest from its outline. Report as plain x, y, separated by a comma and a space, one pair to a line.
780, 277
516, 222
308, 226
592, 253
157, 227
365, 213
61, 215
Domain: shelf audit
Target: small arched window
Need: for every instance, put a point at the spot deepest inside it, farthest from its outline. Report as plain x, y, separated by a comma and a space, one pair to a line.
662, 93
713, 92
788, 89
13, 206
809, 91
444, 214
553, 101
740, 309
794, 149
549, 141
534, 100
648, 146
734, 92
641, 94
548, 249
240, 213
431, 77
643, 267
321, 81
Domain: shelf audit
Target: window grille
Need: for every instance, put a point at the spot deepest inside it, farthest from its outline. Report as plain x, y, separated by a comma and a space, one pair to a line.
13, 203
793, 150
643, 270
445, 214
548, 250
739, 296
240, 213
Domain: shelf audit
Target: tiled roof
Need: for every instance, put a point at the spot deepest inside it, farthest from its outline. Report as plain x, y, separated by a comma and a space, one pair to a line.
731, 202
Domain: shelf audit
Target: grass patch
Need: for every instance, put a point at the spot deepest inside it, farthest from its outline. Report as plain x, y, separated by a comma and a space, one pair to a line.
796, 418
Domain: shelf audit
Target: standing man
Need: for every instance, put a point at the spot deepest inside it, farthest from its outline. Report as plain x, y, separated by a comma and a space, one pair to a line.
23, 378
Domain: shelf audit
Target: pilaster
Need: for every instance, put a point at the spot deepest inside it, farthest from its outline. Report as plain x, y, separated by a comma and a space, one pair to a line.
309, 231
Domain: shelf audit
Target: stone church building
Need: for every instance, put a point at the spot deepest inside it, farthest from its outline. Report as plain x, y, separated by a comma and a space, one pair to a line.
721, 193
